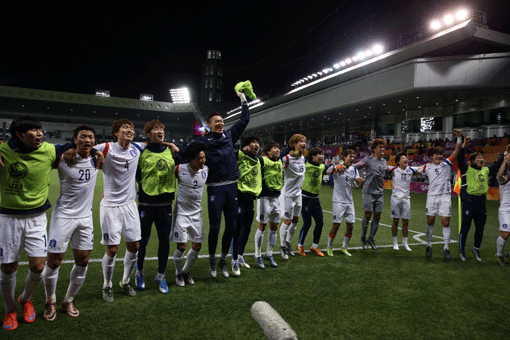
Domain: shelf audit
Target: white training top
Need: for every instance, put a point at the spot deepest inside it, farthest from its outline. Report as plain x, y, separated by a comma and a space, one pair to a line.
402, 180
294, 175
119, 172
190, 190
439, 177
343, 183
77, 184
504, 194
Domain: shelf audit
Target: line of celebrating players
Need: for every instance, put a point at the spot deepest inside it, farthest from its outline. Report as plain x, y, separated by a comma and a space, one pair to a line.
285, 186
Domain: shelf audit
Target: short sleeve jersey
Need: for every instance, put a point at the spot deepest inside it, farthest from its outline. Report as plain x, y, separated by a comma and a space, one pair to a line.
119, 172
77, 184
343, 183
374, 178
190, 190
504, 195
402, 180
294, 175
439, 177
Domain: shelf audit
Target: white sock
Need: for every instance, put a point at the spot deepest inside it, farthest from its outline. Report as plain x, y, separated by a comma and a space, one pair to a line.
291, 231
446, 235
429, 233
315, 245
190, 260
272, 236
7, 286
259, 238
395, 240
129, 266
31, 283
330, 242
76, 279
160, 276
178, 258
404, 240
500, 246
346, 242
283, 233
50, 283
108, 264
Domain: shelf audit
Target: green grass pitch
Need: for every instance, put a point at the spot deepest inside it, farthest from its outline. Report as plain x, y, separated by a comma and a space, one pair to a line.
383, 294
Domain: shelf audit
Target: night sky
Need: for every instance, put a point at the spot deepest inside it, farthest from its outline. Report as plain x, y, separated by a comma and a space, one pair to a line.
149, 48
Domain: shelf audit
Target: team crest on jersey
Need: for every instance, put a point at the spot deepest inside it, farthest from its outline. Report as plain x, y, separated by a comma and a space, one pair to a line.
254, 171
18, 170
204, 174
162, 165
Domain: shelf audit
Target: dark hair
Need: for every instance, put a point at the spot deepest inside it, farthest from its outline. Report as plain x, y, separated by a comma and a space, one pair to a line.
247, 139
473, 156
399, 155
194, 148
376, 142
314, 152
151, 125
269, 146
435, 150
82, 127
348, 152
118, 123
212, 115
23, 124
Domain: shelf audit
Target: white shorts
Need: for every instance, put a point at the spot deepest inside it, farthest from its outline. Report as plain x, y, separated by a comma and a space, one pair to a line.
504, 221
188, 227
268, 210
440, 205
117, 221
401, 207
341, 210
80, 231
292, 207
18, 232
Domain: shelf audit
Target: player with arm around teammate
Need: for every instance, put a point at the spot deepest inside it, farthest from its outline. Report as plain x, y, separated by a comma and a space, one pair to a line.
345, 176
268, 203
188, 223
373, 190
118, 212
294, 176
439, 200
26, 162
504, 206
401, 197
71, 221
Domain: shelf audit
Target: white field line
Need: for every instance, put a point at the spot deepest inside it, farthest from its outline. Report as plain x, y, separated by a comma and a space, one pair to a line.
417, 237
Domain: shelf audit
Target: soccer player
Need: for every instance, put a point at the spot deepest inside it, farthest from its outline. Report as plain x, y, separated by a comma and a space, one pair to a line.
268, 203
71, 221
401, 197
118, 212
314, 169
249, 186
157, 183
439, 201
473, 194
26, 163
345, 176
294, 175
188, 224
504, 206
222, 181
373, 191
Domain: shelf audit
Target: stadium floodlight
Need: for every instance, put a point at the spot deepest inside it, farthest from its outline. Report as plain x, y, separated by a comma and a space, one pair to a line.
435, 25
377, 49
337, 66
448, 19
361, 56
461, 14
180, 96
355, 58
369, 53
348, 61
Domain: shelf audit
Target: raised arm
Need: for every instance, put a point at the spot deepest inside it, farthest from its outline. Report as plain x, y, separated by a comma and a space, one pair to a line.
503, 167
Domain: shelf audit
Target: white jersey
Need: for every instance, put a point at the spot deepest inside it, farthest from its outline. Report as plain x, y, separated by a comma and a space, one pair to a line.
439, 177
294, 175
343, 183
504, 194
119, 172
402, 180
190, 190
77, 184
